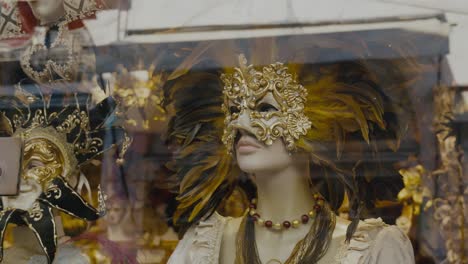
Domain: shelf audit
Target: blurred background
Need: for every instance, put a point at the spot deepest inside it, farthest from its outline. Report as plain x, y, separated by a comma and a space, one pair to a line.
134, 44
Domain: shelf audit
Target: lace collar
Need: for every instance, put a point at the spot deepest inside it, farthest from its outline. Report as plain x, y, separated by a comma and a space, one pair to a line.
207, 237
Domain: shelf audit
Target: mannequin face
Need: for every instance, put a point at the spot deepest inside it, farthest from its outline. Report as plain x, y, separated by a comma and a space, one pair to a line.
115, 211
47, 11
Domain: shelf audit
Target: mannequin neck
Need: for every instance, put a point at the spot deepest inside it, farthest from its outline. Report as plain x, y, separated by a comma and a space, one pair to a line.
284, 194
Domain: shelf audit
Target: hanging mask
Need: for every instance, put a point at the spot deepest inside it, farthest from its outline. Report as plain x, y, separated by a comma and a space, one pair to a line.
267, 103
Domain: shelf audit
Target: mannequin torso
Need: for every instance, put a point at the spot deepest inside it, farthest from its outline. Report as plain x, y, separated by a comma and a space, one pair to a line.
28, 250
214, 241
284, 193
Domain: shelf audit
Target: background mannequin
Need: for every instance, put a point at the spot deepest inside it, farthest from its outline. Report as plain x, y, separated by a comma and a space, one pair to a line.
119, 222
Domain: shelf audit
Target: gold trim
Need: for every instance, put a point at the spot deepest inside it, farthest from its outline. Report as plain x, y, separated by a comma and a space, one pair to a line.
57, 142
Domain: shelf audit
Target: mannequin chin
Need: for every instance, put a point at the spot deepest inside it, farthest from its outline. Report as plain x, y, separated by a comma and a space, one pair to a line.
29, 192
47, 11
255, 157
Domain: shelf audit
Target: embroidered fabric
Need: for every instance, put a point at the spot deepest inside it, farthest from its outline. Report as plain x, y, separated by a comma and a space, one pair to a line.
80, 9
64, 59
373, 243
15, 24
10, 22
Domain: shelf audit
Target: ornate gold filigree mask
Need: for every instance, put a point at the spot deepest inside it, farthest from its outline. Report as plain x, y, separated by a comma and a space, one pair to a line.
42, 162
267, 103
46, 157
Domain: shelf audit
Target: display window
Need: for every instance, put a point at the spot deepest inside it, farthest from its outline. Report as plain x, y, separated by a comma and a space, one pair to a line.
242, 132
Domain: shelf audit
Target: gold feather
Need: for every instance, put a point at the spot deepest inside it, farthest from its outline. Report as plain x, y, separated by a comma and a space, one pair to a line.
5, 125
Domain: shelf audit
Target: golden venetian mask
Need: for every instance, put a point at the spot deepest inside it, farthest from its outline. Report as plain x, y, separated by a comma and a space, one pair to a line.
271, 99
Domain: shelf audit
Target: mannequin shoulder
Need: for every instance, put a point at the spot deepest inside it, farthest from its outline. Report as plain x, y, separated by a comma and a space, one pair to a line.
376, 242
201, 243
391, 243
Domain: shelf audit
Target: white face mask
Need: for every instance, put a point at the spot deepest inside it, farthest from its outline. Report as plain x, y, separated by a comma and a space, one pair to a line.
30, 190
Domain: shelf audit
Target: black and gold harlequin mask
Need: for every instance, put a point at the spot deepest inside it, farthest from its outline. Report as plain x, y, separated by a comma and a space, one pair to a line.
59, 135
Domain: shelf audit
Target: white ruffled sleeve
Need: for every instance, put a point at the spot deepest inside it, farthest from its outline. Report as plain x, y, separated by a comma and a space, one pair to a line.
180, 254
392, 246
377, 243
201, 243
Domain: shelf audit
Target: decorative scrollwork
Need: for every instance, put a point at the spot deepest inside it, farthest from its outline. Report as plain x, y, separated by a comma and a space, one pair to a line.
36, 213
53, 190
102, 208
73, 120
38, 119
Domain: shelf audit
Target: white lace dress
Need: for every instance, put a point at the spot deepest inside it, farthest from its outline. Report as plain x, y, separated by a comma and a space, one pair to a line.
66, 254
26, 250
374, 242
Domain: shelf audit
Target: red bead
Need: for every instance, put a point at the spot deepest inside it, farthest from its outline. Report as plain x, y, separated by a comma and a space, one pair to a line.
317, 208
305, 219
268, 224
287, 224
256, 217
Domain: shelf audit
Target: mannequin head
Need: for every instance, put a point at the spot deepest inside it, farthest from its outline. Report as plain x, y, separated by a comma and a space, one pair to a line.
47, 11
278, 117
116, 209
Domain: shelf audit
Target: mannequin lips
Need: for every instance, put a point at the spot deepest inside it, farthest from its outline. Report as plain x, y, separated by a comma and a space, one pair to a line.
246, 145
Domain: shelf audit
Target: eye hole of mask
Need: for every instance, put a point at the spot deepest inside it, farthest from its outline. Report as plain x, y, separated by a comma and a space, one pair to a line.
234, 109
266, 107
